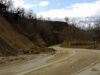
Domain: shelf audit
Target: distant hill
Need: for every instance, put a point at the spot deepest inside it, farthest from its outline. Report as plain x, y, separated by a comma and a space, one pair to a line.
83, 22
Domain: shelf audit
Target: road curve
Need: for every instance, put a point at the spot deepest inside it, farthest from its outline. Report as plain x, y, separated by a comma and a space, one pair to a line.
68, 62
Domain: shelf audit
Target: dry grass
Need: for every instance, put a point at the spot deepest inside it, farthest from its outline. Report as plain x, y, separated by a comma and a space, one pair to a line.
81, 44
75, 42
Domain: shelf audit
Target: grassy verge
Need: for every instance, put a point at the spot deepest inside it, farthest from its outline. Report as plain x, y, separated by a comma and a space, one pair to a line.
81, 44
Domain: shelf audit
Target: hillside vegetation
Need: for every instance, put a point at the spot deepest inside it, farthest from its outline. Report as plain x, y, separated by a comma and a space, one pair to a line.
23, 32
23, 35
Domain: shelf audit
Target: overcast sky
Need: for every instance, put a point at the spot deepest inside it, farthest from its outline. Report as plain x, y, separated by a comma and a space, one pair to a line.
61, 8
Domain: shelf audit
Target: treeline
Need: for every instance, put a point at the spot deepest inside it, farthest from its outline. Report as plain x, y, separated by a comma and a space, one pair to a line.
46, 32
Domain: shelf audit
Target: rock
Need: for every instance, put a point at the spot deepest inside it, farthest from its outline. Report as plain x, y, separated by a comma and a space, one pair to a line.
94, 69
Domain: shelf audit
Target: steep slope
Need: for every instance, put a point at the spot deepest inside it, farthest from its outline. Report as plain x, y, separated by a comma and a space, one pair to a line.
6, 50
12, 38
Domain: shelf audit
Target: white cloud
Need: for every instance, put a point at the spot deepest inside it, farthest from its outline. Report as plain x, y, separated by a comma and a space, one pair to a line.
21, 3
44, 3
75, 10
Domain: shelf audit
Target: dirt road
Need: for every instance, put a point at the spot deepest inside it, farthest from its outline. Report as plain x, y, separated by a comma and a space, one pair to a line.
68, 62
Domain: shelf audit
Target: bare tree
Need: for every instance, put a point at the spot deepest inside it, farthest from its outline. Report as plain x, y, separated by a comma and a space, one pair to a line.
97, 29
67, 19
48, 19
9, 5
89, 27
30, 14
40, 17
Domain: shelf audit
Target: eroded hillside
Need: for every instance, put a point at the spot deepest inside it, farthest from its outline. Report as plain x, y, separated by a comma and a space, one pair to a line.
11, 39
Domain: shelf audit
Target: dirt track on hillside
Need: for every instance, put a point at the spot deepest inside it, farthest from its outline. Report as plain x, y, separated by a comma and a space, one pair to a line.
69, 62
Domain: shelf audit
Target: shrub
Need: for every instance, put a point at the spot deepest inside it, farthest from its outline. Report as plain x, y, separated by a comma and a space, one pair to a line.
24, 51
